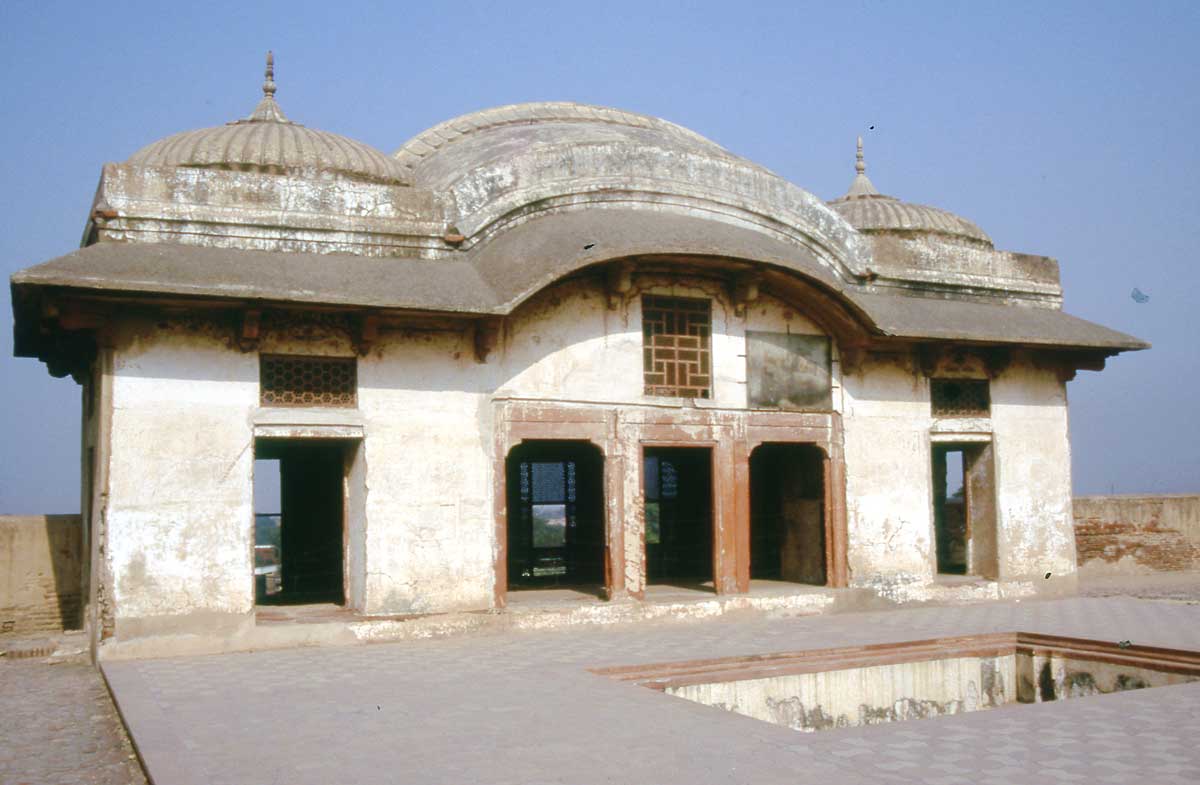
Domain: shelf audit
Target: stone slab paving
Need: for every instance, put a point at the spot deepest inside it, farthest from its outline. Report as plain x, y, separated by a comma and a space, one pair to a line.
1174, 586
58, 727
522, 708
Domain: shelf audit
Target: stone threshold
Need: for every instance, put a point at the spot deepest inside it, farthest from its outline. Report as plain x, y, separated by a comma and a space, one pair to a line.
283, 627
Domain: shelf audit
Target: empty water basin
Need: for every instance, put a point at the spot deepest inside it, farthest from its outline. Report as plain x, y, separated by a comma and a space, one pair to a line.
822, 689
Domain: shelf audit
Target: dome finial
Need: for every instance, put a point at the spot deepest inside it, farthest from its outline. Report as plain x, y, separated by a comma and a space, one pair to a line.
862, 185
267, 110
269, 84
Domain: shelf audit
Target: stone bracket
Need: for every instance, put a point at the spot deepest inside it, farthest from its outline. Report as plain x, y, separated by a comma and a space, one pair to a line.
745, 291
487, 337
618, 283
366, 334
250, 330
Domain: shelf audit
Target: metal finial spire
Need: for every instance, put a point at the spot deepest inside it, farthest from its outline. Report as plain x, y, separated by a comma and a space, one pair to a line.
267, 110
861, 186
269, 84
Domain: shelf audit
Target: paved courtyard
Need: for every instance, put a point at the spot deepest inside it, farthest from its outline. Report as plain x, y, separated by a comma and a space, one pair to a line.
58, 727
523, 708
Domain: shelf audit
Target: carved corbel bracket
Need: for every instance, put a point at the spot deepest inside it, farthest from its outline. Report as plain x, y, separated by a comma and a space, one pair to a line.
487, 337
995, 360
928, 356
70, 334
618, 283
366, 334
852, 357
250, 330
1069, 365
745, 291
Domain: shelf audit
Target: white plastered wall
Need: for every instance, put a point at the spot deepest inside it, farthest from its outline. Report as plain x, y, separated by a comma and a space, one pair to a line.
179, 515
430, 530
889, 501
1033, 474
185, 404
888, 472
566, 344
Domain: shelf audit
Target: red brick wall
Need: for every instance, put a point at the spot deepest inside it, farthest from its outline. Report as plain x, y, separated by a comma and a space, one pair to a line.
40, 574
1138, 533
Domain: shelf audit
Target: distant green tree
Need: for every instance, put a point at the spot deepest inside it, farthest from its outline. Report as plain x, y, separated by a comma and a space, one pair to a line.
549, 530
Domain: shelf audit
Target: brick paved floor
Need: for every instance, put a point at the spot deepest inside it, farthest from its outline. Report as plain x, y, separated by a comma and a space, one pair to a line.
522, 708
58, 727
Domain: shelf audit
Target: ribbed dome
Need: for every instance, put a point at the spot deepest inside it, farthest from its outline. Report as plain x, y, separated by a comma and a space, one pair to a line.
867, 210
268, 142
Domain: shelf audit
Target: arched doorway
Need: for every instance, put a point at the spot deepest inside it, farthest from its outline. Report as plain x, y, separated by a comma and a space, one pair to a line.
555, 525
788, 518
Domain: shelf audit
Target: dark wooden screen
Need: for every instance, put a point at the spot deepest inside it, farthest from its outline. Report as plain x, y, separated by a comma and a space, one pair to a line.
960, 397
293, 380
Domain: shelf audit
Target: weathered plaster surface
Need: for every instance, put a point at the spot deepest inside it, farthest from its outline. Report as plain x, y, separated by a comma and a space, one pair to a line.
334, 215
927, 260
420, 485
1132, 534
180, 507
566, 344
1033, 474
428, 473
865, 696
888, 474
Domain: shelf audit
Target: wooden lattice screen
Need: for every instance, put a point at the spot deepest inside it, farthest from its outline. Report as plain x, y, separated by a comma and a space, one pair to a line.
960, 397
675, 333
291, 380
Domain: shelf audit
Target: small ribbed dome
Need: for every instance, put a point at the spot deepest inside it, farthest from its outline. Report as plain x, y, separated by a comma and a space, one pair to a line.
869, 211
268, 142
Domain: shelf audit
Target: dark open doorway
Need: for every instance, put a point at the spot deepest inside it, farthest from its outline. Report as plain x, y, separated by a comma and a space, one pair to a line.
787, 514
679, 525
299, 546
556, 534
964, 509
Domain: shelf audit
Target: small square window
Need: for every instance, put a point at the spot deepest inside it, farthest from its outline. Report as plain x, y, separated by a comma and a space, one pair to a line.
960, 397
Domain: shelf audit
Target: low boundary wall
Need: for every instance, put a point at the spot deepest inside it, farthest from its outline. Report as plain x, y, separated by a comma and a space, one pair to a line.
1137, 534
41, 567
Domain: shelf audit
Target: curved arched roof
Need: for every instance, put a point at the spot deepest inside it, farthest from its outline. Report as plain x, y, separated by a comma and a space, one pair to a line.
469, 139
537, 192
498, 168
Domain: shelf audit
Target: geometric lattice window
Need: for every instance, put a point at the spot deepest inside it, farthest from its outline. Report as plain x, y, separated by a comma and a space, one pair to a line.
296, 380
960, 397
675, 333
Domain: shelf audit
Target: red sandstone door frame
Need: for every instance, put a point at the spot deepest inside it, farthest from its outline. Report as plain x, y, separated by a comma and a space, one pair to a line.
523, 421
622, 431
722, 510
833, 481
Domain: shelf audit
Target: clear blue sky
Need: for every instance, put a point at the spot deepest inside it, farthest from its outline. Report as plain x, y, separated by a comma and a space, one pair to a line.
1064, 129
